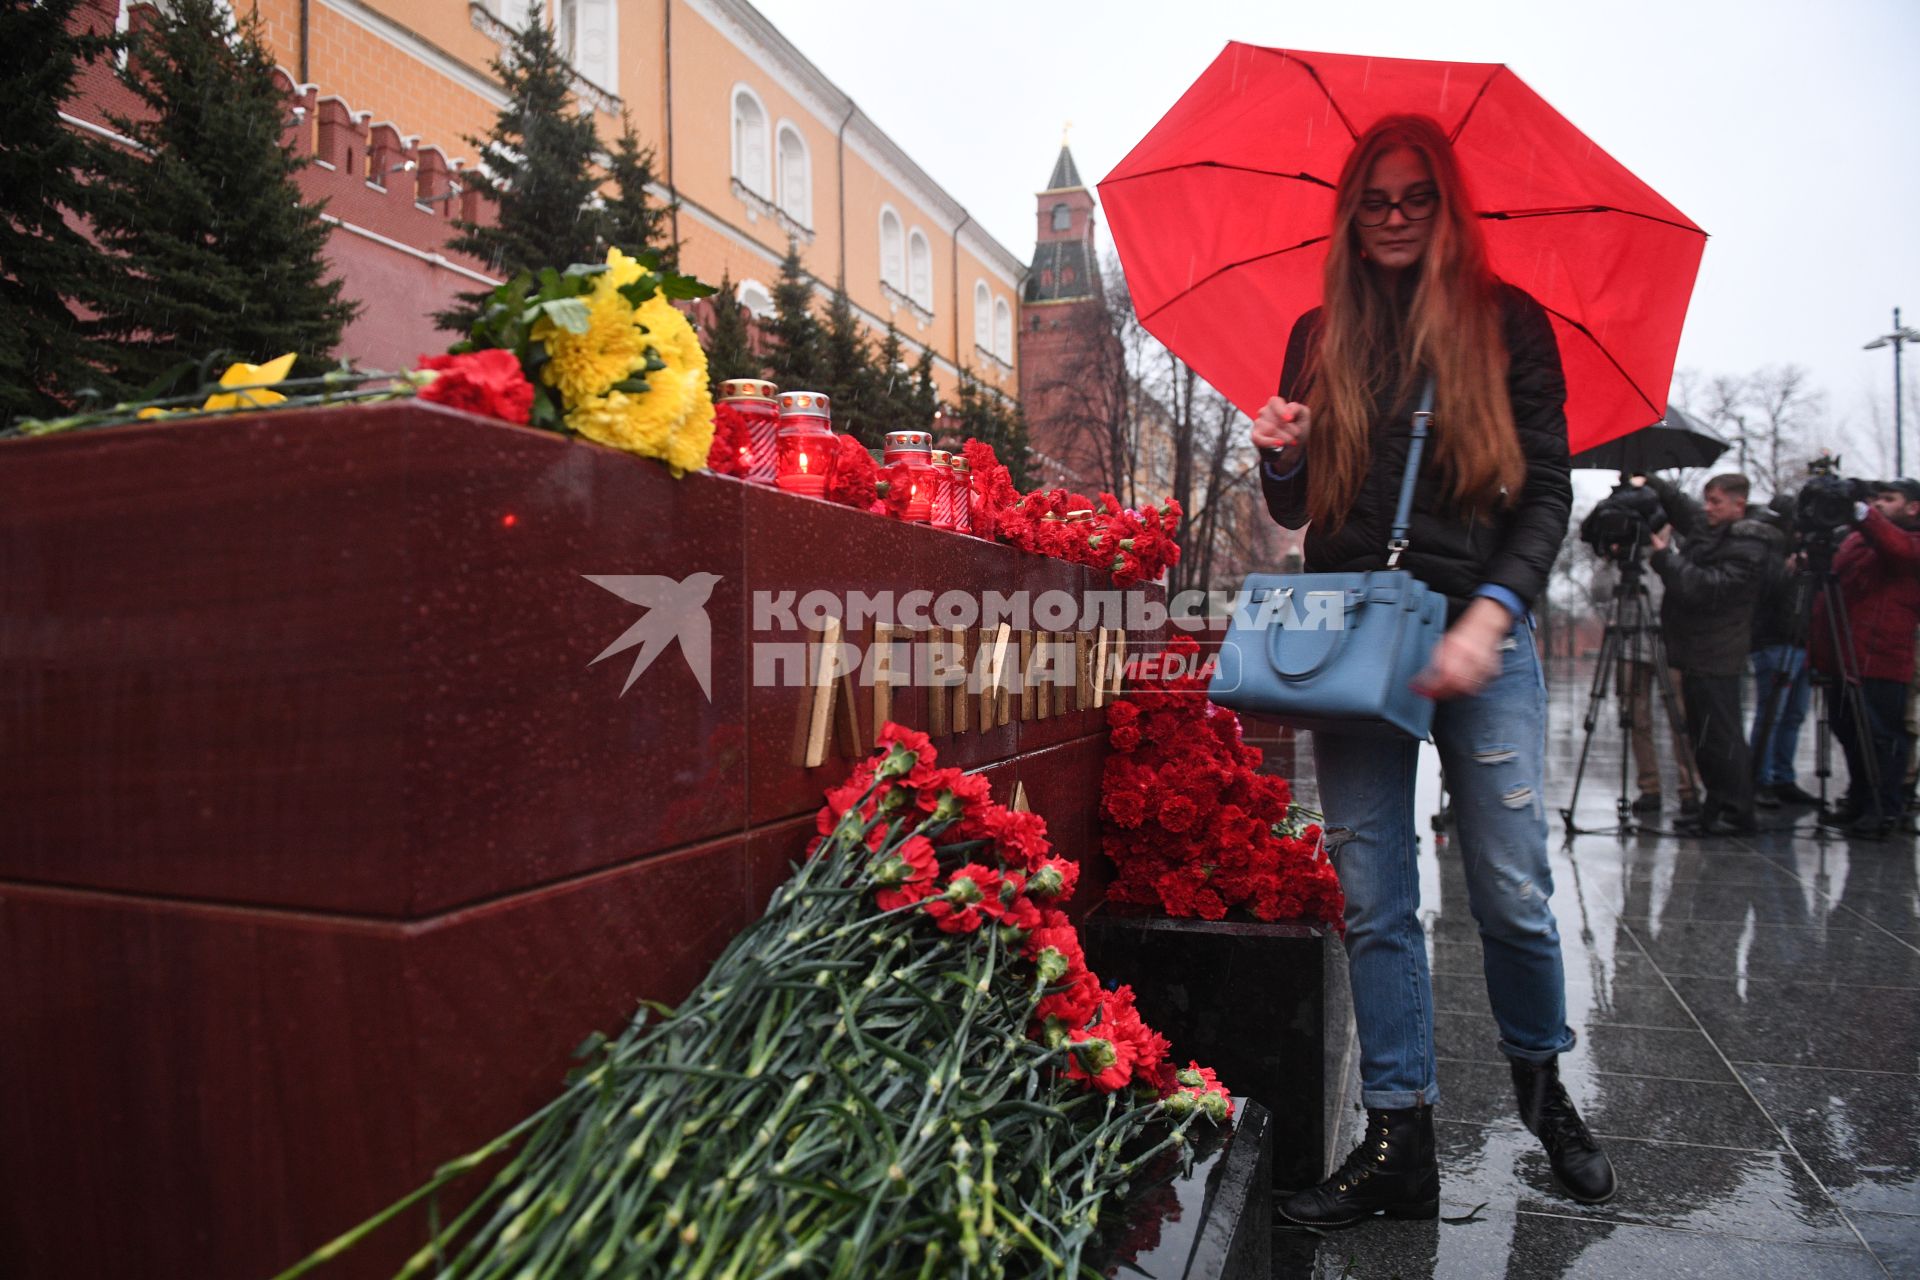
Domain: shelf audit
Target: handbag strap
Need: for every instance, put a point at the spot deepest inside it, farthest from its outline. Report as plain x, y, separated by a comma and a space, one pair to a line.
1403, 513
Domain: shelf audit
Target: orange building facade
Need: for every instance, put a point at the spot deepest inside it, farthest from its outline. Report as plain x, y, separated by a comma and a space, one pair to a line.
751, 140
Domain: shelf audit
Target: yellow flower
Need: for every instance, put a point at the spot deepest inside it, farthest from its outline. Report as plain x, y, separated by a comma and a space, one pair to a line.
634, 423
251, 375
673, 419
585, 365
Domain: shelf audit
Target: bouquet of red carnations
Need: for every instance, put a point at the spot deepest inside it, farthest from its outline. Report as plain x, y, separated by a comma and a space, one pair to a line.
1191, 827
904, 1068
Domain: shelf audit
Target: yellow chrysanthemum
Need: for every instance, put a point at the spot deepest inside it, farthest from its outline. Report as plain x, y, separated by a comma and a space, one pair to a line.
634, 423
621, 270
673, 419
585, 365
688, 449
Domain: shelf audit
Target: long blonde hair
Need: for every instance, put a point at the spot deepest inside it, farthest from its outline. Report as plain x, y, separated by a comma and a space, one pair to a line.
1452, 328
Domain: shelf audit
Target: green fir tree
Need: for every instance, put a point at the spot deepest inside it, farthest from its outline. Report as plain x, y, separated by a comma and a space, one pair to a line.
795, 362
924, 400
729, 338
631, 218
848, 375
214, 249
45, 357
538, 171
979, 413
894, 387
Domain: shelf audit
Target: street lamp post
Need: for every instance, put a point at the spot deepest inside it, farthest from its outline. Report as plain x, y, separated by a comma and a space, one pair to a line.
1897, 339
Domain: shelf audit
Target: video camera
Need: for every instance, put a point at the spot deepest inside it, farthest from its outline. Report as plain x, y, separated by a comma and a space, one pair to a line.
1623, 522
1825, 502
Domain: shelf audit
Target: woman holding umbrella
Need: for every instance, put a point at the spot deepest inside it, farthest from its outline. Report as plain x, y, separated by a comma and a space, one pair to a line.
1409, 296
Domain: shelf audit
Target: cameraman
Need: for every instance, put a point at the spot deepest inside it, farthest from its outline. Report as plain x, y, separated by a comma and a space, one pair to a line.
1712, 579
1617, 528
1878, 568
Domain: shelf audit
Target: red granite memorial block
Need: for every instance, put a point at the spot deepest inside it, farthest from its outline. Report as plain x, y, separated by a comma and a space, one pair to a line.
326, 839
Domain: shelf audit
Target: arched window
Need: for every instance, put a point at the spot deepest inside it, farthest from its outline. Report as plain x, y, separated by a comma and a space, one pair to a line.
982, 316
1062, 217
893, 251
750, 141
590, 35
796, 176
1003, 330
754, 297
919, 269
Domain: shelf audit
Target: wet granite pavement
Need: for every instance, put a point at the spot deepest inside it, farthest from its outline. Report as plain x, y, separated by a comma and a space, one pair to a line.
1749, 1020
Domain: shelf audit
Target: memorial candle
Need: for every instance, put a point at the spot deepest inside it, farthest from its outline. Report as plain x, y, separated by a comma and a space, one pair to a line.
915, 448
752, 401
941, 505
805, 443
963, 499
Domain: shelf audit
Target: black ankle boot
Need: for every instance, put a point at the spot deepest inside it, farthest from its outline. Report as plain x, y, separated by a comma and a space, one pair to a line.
1392, 1171
1582, 1168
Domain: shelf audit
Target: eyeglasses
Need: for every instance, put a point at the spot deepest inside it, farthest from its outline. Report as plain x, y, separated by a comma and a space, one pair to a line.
1418, 207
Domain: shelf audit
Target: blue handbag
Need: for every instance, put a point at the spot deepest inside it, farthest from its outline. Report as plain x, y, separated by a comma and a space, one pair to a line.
1338, 651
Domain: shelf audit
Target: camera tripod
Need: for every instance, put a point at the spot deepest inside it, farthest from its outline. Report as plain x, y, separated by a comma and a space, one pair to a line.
1845, 685
1632, 636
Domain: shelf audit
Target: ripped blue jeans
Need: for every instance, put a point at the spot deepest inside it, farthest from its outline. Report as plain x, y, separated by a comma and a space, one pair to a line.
1493, 748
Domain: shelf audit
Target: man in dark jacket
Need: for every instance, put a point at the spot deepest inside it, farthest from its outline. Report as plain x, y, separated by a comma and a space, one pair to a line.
1878, 566
1712, 580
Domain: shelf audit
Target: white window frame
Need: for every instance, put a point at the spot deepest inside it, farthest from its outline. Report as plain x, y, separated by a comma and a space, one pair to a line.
606, 72
893, 273
982, 316
920, 269
755, 297
797, 206
757, 183
1003, 331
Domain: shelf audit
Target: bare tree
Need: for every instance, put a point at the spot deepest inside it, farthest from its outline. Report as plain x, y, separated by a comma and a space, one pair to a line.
1787, 412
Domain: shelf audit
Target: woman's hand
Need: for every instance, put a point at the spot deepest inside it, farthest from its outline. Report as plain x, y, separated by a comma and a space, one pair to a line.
1282, 424
1468, 655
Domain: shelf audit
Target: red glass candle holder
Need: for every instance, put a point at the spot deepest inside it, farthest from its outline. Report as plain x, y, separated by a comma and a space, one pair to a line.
915, 448
751, 401
804, 443
961, 487
940, 514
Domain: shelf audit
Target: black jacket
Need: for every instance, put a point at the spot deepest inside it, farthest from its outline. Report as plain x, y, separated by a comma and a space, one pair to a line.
1452, 551
1714, 579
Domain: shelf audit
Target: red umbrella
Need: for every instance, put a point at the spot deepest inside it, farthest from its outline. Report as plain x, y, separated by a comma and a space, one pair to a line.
1221, 215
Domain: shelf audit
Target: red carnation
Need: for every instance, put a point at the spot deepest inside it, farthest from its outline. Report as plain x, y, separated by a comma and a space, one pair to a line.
972, 895
854, 474
1126, 808
1106, 1064
907, 874
486, 382
731, 453
1177, 813
895, 489
1021, 837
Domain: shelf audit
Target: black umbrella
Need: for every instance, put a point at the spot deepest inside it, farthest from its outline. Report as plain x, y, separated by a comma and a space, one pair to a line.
1677, 440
